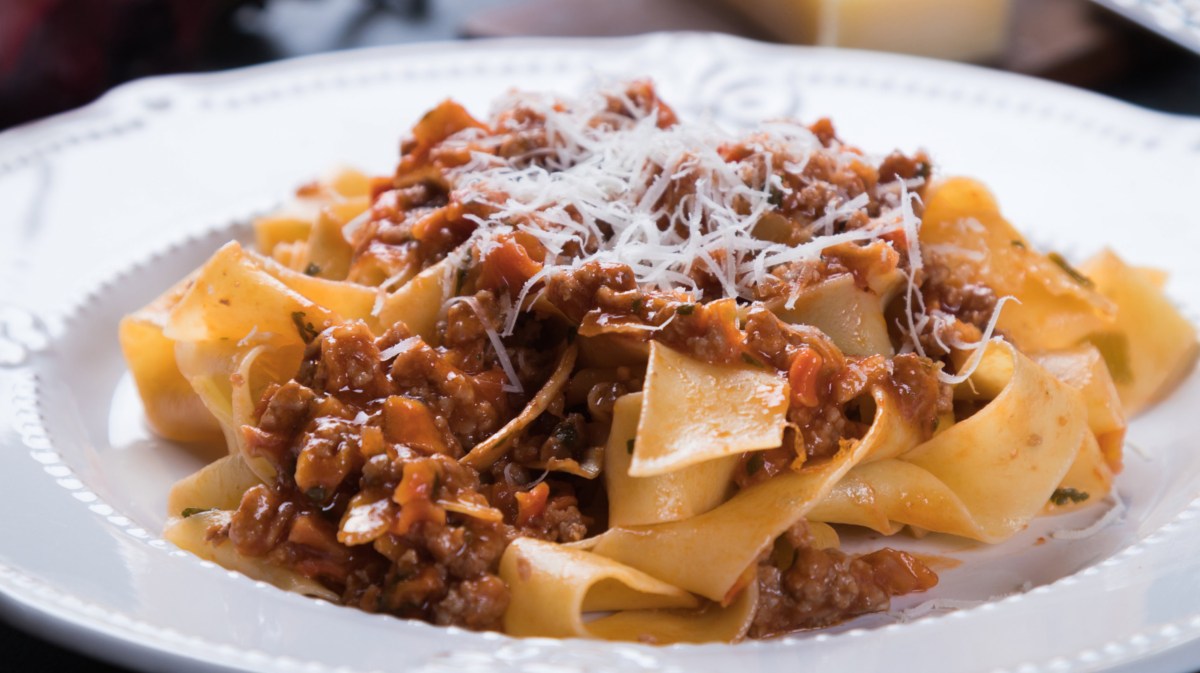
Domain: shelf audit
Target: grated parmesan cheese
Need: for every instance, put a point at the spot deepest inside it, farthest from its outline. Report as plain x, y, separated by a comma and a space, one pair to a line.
249, 338
662, 201
1141, 452
951, 604
938, 605
978, 347
514, 383
389, 353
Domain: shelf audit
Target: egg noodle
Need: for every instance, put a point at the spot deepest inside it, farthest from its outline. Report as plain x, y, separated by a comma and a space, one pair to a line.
581, 369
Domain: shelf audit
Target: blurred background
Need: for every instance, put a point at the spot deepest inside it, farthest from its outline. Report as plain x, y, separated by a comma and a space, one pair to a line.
59, 54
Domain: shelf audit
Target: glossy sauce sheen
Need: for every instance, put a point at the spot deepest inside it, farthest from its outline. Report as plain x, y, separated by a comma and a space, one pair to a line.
371, 499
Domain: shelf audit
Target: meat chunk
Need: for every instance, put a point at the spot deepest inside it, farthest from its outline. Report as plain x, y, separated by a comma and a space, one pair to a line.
801, 587
348, 361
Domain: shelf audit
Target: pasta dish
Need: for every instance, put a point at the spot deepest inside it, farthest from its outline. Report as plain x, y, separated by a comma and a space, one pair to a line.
581, 369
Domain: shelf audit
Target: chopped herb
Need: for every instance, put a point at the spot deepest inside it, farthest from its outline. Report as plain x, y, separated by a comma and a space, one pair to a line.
192, 511
1018, 244
316, 494
754, 463
776, 197
636, 306
750, 360
567, 434
1071, 271
306, 329
459, 278
686, 309
312, 269
1062, 496
629, 446
1114, 348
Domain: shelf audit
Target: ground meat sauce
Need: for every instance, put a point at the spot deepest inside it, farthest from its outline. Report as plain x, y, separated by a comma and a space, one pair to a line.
370, 498
830, 392
964, 307
801, 587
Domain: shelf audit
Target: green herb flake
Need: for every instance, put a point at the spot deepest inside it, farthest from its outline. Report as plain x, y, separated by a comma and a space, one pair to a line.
567, 435
316, 494
629, 446
751, 360
1062, 496
636, 306
776, 197
1018, 244
312, 269
1070, 270
685, 309
754, 464
459, 279
306, 329
1114, 349
193, 511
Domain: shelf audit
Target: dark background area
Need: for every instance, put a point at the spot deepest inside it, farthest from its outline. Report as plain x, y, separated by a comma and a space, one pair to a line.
59, 54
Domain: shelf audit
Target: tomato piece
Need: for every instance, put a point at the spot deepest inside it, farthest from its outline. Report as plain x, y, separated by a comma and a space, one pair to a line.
531, 503
804, 377
415, 496
408, 421
508, 265
442, 122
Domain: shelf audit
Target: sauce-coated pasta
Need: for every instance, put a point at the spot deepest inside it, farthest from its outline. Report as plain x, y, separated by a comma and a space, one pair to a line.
581, 357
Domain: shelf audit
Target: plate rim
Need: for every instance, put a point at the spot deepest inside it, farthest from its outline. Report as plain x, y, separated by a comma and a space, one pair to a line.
126, 93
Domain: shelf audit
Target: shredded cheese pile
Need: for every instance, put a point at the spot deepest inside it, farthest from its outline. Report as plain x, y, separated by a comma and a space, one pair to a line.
662, 201
618, 189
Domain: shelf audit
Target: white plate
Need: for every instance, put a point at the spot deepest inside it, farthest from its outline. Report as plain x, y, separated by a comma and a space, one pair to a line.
104, 207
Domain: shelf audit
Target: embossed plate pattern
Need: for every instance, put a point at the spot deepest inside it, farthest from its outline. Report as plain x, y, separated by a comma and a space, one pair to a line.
105, 206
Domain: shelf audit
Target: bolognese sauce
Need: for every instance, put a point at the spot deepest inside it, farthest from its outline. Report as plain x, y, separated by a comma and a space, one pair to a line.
370, 498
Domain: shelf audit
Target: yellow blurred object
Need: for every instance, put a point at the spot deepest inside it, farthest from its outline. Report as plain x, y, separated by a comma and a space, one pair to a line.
961, 30
1150, 347
172, 407
1085, 369
307, 233
278, 229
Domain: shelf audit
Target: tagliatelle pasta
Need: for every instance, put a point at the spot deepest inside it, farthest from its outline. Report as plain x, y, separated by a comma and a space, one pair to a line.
580, 369
732, 409
678, 494
983, 477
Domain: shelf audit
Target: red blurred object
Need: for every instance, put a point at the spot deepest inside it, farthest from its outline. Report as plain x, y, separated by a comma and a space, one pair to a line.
57, 54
